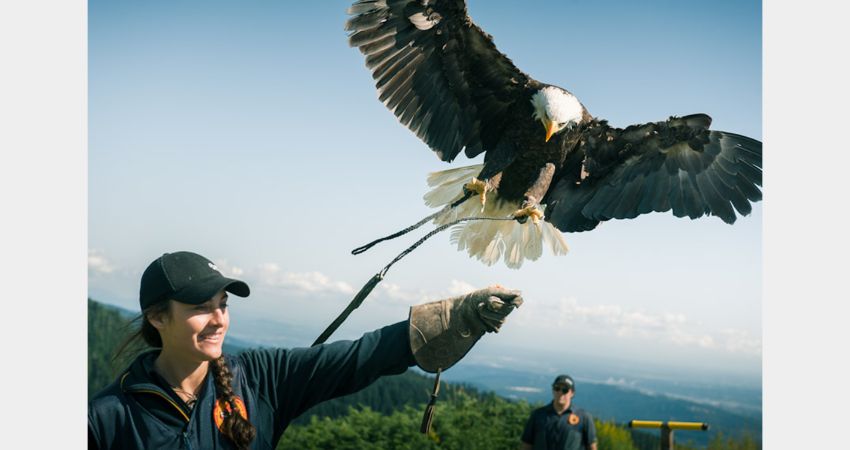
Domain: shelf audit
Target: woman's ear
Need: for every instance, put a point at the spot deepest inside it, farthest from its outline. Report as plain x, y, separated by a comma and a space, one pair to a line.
159, 318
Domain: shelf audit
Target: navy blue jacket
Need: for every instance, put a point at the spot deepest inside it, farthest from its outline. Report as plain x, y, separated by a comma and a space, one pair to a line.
139, 411
548, 430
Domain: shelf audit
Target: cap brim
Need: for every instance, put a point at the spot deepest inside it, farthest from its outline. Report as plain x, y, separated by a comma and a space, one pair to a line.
205, 289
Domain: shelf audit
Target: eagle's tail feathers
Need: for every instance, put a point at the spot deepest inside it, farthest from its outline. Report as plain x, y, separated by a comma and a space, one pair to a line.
490, 240
447, 185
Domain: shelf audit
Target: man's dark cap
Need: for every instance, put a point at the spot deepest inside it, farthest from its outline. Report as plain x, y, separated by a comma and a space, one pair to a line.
186, 277
564, 380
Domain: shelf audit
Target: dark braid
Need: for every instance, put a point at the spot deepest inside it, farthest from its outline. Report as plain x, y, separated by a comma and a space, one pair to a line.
235, 427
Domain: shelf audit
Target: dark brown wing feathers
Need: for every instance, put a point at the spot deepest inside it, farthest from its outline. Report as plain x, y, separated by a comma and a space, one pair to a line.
438, 72
677, 165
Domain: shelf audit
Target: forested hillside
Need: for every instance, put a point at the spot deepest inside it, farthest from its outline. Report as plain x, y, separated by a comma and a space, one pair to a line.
387, 414
107, 327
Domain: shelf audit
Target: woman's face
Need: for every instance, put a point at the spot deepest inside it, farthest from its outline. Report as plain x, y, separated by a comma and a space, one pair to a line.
194, 332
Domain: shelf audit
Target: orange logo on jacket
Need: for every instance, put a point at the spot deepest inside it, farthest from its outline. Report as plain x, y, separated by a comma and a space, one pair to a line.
574, 420
222, 408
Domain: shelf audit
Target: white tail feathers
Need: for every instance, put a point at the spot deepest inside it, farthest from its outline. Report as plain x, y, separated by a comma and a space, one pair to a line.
489, 240
448, 185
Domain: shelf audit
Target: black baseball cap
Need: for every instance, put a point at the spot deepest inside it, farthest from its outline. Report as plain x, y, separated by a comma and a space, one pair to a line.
564, 380
186, 277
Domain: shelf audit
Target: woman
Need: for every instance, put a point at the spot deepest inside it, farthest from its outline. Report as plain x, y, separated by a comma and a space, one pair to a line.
187, 394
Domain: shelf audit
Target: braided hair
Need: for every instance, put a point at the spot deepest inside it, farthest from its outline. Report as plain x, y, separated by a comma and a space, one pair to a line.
235, 427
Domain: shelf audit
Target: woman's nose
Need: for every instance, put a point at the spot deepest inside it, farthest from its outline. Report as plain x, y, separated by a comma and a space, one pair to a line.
218, 316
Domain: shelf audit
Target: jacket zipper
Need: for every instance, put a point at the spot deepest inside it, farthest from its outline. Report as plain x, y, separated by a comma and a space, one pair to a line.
149, 391
186, 442
171, 402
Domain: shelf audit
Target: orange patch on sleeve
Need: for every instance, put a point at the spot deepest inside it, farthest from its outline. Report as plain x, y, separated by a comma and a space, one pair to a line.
222, 408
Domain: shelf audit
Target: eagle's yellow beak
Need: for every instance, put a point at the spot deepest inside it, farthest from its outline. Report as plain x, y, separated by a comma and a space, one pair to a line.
551, 128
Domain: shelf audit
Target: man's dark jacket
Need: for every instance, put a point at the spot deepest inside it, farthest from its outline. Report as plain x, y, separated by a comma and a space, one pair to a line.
138, 411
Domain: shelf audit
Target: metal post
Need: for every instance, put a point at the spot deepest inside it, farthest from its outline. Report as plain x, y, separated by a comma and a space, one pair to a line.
666, 438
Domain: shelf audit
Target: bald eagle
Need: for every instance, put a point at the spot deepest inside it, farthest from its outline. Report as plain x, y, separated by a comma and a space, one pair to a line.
545, 156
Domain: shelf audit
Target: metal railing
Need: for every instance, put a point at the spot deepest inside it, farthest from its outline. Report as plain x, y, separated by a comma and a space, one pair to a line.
667, 429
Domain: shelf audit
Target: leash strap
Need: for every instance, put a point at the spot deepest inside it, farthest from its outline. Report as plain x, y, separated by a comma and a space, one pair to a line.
354, 304
429, 410
416, 225
367, 288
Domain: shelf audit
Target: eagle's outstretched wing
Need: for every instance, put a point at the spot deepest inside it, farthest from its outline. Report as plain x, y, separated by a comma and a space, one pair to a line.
678, 164
437, 71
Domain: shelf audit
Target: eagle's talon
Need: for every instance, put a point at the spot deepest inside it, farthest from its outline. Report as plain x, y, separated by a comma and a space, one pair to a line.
479, 187
528, 210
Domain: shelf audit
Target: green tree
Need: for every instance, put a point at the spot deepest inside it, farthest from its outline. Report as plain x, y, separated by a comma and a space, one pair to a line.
721, 442
486, 423
360, 429
611, 436
107, 327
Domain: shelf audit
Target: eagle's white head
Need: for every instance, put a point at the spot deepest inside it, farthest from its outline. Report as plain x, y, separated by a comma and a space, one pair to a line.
557, 109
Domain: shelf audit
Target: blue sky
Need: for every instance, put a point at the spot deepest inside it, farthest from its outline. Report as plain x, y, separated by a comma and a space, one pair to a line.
251, 133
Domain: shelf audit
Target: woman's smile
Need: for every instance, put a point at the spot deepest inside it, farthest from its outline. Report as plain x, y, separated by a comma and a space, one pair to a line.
213, 337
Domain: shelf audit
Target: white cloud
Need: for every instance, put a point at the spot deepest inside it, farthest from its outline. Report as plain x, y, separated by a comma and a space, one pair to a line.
458, 287
399, 294
227, 269
740, 341
98, 263
526, 389
621, 382
618, 322
271, 275
396, 293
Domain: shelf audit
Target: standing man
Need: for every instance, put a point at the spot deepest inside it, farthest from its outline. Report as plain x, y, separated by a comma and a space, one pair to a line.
558, 425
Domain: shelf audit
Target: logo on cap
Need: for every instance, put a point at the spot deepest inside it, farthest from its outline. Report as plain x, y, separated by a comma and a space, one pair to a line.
214, 267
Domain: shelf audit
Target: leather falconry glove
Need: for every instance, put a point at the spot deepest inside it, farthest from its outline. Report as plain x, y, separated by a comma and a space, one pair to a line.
442, 332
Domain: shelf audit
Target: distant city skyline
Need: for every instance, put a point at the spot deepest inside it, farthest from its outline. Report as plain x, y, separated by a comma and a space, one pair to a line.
251, 133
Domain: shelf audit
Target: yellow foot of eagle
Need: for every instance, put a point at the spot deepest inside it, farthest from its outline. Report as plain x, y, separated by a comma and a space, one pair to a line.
529, 209
478, 187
